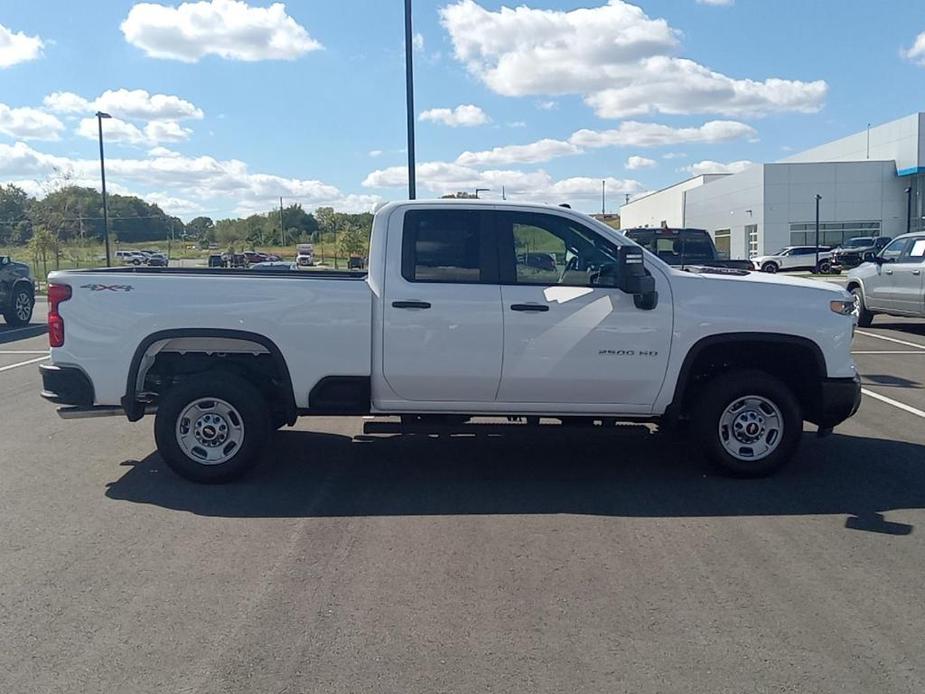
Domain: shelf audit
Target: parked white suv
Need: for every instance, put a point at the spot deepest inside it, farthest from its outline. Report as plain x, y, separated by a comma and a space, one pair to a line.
795, 258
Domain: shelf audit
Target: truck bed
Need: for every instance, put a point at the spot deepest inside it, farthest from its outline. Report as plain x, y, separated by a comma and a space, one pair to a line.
321, 321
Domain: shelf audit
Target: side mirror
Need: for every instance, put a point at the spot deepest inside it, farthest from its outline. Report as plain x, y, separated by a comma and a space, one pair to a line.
632, 277
871, 257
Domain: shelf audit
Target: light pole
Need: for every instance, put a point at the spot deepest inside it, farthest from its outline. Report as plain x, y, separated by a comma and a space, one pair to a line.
908, 209
99, 119
816, 266
603, 195
409, 94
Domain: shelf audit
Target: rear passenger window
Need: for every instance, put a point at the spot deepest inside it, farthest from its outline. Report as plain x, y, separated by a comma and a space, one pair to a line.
446, 246
917, 253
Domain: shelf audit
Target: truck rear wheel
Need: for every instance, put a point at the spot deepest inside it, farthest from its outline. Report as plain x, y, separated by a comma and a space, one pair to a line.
212, 428
748, 423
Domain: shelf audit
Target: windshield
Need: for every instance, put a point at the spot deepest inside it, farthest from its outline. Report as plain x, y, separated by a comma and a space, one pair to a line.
861, 242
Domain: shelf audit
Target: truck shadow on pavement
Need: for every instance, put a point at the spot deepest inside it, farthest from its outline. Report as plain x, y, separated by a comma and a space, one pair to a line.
631, 473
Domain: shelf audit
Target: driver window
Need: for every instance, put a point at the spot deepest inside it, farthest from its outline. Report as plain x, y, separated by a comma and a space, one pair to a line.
552, 250
891, 253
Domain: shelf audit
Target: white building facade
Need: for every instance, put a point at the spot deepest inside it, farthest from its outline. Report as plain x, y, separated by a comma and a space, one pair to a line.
865, 182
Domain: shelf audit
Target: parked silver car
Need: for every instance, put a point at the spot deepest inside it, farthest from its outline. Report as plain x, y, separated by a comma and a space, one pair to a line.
891, 282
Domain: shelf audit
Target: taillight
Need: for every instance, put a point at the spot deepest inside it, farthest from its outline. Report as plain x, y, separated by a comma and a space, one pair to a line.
57, 293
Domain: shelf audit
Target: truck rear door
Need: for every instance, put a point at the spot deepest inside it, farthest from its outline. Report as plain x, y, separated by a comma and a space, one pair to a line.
442, 322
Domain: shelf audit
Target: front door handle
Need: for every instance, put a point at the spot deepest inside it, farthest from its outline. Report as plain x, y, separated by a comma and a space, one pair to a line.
536, 308
889, 272
411, 304
916, 272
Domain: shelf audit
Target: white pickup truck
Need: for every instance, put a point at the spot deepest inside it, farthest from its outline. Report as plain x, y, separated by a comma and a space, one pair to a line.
468, 309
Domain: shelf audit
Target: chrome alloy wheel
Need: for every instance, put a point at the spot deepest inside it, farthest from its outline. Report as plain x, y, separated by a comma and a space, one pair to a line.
751, 428
210, 431
23, 306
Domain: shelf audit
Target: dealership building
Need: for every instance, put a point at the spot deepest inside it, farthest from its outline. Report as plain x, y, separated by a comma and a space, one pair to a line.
866, 181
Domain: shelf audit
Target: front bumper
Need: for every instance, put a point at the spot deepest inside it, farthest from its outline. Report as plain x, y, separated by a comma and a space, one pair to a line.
66, 385
839, 399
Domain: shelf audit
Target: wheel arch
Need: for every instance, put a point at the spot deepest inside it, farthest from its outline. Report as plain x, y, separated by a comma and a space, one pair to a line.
142, 359
713, 354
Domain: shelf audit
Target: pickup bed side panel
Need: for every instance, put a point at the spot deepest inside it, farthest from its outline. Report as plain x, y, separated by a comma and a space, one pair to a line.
321, 325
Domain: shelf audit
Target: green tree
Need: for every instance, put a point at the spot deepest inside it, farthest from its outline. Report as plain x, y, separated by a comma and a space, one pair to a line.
14, 210
200, 227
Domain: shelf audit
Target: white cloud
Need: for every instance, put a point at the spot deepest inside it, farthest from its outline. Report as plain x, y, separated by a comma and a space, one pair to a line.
162, 152
227, 28
29, 124
216, 184
674, 155
636, 162
465, 115
417, 41
533, 153
628, 134
633, 133
717, 3
622, 61
18, 47
547, 105
125, 103
441, 178
712, 167
517, 124
124, 132
375, 153
917, 52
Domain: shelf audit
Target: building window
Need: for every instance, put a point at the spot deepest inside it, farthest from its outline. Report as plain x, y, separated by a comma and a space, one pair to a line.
831, 233
723, 239
751, 238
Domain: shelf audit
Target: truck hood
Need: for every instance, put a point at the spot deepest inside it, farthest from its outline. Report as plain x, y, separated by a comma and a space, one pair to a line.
764, 279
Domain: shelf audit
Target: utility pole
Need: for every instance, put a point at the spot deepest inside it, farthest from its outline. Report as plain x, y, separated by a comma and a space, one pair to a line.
503, 193
908, 209
409, 95
603, 196
99, 119
868, 140
282, 240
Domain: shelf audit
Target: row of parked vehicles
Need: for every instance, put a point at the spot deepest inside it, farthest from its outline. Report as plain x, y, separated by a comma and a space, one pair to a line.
138, 258
849, 255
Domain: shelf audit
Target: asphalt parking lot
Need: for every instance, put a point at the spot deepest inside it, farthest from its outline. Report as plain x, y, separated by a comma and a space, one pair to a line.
566, 561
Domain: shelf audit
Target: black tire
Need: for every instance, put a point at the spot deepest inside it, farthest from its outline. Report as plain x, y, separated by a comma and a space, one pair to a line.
825, 267
248, 403
22, 304
865, 317
721, 393
770, 267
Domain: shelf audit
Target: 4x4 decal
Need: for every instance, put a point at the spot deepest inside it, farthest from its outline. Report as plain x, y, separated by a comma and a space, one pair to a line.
107, 287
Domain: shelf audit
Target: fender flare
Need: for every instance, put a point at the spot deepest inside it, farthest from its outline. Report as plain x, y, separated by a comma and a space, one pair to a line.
135, 410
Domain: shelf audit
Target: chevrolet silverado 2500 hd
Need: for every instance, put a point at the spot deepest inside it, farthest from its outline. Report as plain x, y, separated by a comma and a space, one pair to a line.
456, 319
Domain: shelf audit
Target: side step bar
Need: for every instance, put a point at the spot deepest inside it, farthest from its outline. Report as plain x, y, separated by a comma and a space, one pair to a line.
96, 411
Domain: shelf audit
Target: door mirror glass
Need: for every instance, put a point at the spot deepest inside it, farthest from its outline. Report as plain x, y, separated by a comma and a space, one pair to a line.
632, 277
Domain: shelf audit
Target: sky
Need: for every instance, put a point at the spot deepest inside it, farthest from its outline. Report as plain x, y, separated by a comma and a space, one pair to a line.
221, 107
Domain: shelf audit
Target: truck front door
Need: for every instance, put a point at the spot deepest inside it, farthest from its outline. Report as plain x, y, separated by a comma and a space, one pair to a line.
441, 315
567, 339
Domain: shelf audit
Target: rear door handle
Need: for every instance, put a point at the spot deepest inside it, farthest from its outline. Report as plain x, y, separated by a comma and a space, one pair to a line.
889, 272
537, 308
410, 304
916, 272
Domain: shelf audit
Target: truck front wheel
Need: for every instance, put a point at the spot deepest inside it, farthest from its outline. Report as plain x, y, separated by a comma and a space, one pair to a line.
212, 427
748, 423
19, 312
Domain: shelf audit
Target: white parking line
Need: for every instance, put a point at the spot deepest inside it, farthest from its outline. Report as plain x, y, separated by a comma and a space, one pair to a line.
873, 351
890, 339
24, 363
895, 403
23, 351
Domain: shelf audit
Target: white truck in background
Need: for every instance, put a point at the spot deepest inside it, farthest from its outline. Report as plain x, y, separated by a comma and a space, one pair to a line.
456, 319
305, 255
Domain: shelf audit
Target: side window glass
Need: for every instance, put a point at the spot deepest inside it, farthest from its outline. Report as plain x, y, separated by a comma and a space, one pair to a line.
891, 253
551, 250
916, 252
443, 246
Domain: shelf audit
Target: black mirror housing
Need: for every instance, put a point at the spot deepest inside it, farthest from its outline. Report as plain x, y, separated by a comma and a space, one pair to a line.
632, 277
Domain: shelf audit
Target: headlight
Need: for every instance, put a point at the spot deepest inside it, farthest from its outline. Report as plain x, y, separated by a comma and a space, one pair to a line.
845, 307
